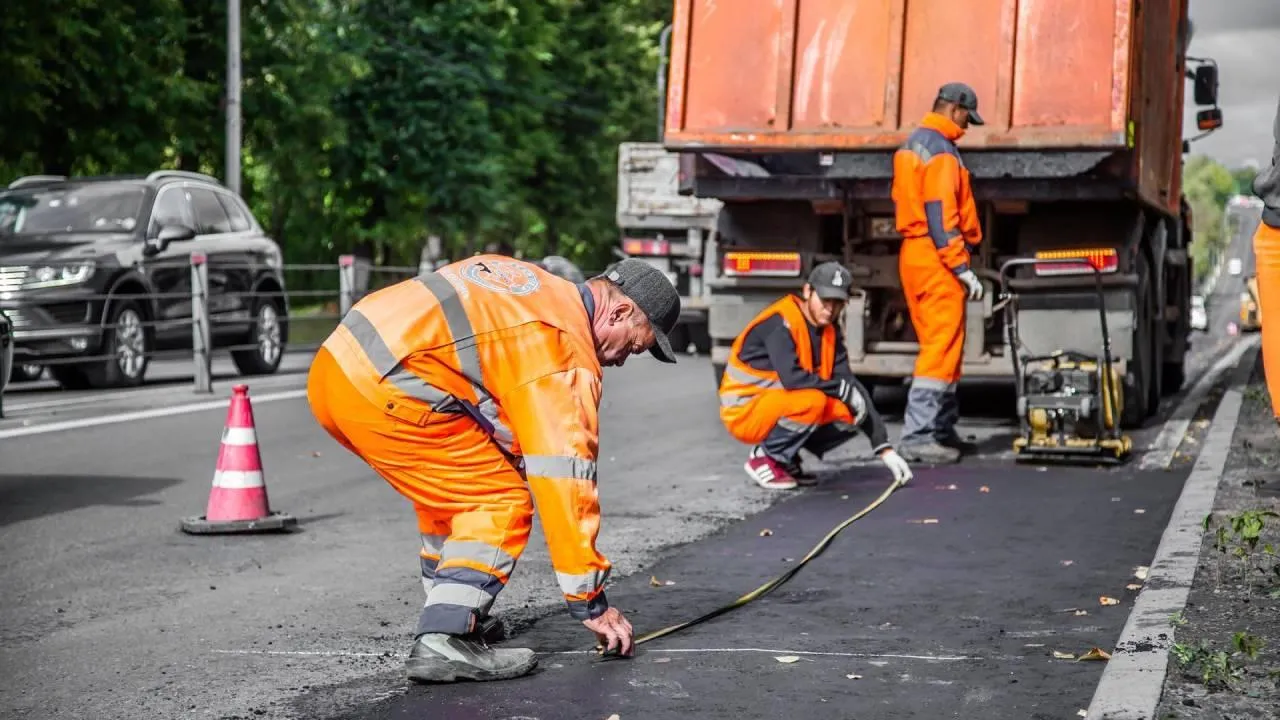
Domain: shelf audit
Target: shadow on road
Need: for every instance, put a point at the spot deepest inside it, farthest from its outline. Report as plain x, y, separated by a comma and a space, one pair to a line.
24, 497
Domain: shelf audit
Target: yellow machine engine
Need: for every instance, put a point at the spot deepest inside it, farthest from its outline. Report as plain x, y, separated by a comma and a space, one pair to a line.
1071, 403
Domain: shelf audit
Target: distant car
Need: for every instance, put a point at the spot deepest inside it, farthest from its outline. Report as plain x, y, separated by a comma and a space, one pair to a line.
1234, 266
95, 272
1250, 310
1199, 316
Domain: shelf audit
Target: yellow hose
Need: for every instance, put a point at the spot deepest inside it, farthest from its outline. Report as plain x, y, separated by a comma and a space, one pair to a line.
769, 587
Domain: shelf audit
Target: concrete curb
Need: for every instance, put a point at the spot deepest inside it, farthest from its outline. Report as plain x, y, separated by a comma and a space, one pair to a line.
1133, 681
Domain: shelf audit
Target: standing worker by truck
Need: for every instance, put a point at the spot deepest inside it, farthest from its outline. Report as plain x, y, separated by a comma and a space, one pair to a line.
790, 113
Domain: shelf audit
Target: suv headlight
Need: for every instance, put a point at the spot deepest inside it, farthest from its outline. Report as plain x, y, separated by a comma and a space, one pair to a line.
45, 276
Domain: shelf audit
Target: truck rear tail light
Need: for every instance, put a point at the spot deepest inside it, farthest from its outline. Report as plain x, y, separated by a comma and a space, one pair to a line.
640, 246
762, 264
1083, 262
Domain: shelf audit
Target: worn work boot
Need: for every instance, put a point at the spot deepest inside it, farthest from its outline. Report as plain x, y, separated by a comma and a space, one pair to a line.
955, 442
929, 451
766, 472
440, 658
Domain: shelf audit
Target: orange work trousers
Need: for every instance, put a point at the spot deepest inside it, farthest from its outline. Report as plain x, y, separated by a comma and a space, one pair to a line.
797, 411
474, 508
1266, 251
936, 301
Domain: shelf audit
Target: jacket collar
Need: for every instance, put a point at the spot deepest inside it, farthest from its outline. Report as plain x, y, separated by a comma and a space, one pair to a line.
944, 125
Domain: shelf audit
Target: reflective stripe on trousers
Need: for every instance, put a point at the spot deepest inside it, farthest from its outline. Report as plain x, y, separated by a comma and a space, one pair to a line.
463, 335
932, 410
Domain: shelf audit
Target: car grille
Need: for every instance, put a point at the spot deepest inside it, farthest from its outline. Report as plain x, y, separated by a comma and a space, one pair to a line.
12, 277
19, 319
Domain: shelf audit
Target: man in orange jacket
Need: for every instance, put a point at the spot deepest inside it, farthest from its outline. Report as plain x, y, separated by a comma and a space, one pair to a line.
469, 388
1266, 252
788, 385
938, 221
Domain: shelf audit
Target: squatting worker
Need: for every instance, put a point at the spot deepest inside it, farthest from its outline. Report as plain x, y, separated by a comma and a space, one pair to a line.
788, 385
469, 388
938, 221
1266, 252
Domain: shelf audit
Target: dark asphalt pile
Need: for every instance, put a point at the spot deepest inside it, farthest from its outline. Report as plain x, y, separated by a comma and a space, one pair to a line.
957, 612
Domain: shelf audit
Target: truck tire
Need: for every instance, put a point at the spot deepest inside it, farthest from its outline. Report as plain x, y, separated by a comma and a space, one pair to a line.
1174, 375
1138, 383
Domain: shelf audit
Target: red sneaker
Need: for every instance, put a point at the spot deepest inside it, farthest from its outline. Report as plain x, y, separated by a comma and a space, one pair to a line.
767, 473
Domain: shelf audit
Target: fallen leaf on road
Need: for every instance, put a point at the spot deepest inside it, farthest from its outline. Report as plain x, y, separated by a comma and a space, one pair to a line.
1095, 654
844, 497
614, 716
787, 559
925, 521
1115, 499
1063, 656
654, 581
1133, 586
1081, 612
1108, 600
1067, 563
985, 489
787, 658
662, 660
854, 677
1141, 572
766, 532
1034, 645
1139, 511
315, 453
1082, 712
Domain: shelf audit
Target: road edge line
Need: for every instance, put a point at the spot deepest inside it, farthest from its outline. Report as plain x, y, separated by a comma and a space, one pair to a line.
1133, 680
43, 428
1159, 455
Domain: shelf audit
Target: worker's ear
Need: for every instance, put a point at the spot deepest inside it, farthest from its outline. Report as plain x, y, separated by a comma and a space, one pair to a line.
806, 291
621, 310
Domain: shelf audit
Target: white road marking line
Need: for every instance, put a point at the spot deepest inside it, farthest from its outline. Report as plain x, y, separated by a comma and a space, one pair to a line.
302, 653
1133, 679
42, 428
1160, 454
776, 651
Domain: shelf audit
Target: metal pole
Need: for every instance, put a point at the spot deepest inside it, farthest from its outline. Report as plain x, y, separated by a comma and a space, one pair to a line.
200, 339
233, 95
663, 41
346, 283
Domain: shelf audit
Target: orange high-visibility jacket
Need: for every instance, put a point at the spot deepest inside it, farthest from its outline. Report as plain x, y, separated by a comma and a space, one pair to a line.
510, 344
741, 382
932, 194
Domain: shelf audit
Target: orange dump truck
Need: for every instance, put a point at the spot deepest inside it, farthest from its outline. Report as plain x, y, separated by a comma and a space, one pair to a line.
789, 111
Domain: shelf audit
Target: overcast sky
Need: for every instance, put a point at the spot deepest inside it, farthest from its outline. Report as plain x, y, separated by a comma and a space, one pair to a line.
1244, 37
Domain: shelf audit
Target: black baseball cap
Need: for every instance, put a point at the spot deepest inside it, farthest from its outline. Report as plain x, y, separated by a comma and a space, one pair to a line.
831, 281
965, 97
653, 293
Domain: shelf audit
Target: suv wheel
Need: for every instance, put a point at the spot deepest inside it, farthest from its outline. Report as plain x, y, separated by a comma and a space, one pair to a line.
128, 344
268, 337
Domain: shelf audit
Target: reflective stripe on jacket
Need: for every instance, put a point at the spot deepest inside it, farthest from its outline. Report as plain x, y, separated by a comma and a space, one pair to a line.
742, 382
932, 194
511, 345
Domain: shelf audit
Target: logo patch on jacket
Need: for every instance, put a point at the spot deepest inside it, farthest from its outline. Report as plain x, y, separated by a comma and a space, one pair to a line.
502, 276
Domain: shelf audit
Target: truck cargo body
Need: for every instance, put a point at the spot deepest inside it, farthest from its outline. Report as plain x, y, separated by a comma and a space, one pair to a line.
789, 113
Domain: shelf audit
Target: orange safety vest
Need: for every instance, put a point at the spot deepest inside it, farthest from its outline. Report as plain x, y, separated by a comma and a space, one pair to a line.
742, 383
511, 345
931, 186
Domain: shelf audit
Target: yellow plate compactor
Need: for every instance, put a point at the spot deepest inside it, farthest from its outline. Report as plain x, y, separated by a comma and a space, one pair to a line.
1069, 403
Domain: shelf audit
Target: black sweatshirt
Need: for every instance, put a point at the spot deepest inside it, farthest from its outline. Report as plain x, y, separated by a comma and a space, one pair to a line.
769, 347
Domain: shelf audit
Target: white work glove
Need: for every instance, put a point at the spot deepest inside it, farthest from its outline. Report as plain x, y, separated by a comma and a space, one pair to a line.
850, 396
899, 467
972, 283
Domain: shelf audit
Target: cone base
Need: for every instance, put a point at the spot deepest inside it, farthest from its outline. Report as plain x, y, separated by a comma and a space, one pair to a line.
274, 522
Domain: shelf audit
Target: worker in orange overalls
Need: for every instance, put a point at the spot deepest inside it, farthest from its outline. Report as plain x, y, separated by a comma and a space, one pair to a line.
938, 221
788, 386
470, 388
1266, 252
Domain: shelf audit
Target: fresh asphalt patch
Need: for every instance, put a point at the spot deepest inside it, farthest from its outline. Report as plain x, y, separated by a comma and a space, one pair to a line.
951, 598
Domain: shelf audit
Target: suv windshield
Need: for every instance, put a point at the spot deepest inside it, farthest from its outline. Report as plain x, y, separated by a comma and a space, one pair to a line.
84, 209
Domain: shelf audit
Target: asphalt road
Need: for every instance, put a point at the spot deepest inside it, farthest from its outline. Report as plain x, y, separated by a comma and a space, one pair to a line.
108, 611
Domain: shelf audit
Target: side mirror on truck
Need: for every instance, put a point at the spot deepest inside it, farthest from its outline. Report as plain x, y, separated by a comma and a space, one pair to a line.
1205, 82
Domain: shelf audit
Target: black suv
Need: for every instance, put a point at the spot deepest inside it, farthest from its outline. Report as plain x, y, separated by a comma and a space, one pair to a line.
100, 267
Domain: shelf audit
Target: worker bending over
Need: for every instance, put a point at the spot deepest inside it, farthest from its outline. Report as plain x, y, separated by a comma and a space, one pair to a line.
788, 385
469, 388
938, 221
1266, 252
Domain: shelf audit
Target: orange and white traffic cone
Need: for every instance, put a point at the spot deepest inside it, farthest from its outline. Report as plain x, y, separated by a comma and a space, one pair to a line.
238, 501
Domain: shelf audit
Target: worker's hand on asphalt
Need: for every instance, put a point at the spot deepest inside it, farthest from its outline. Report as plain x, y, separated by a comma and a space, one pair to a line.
613, 632
899, 467
972, 283
850, 396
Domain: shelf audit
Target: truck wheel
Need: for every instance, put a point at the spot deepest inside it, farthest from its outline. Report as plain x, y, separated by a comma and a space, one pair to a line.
1138, 382
1175, 374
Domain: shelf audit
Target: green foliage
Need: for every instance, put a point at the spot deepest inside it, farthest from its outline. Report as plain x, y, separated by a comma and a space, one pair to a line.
1239, 538
1208, 186
1218, 669
367, 124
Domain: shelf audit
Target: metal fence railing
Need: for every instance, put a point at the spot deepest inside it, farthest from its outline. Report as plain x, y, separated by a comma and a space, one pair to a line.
51, 306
